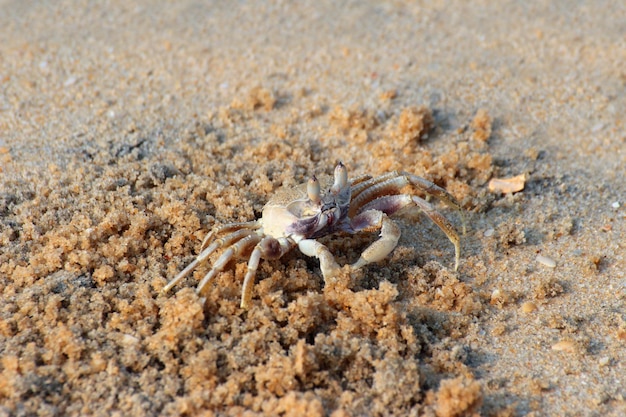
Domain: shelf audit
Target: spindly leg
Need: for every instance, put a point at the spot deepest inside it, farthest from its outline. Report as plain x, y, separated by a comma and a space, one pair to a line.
355, 182
230, 253
443, 224
392, 203
392, 183
436, 191
365, 182
389, 235
328, 265
370, 189
252, 225
204, 254
267, 248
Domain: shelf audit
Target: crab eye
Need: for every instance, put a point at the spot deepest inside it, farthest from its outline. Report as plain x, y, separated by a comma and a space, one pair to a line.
313, 189
341, 178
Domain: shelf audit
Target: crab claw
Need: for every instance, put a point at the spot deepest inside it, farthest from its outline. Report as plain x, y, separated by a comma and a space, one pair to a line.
341, 178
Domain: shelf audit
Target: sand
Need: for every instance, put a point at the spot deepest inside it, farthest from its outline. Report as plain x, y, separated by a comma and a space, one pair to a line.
129, 129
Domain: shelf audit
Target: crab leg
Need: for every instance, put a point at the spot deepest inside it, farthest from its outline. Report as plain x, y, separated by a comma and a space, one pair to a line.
328, 265
392, 203
383, 186
392, 183
230, 253
364, 183
252, 225
389, 235
268, 248
226, 240
443, 224
358, 180
436, 191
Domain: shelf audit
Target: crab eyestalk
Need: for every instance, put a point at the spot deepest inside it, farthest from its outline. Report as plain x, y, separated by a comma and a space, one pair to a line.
341, 178
313, 189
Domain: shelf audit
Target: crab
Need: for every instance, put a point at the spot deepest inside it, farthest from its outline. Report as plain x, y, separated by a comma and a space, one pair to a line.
299, 216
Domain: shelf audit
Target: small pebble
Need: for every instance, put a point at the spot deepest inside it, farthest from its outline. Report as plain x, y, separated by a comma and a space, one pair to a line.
129, 339
597, 127
507, 185
615, 205
528, 307
70, 81
489, 232
544, 260
565, 346
498, 297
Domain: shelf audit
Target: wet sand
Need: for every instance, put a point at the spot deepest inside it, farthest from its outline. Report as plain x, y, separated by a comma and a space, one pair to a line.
129, 130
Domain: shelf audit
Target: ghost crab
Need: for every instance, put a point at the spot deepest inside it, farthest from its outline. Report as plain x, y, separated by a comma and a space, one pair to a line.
298, 216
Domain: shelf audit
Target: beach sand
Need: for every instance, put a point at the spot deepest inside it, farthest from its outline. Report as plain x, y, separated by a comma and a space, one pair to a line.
129, 129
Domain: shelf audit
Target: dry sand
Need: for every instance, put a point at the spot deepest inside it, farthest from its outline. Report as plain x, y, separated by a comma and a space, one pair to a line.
129, 129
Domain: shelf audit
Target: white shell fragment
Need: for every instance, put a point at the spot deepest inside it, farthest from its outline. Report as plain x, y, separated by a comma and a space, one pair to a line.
507, 185
544, 260
565, 346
